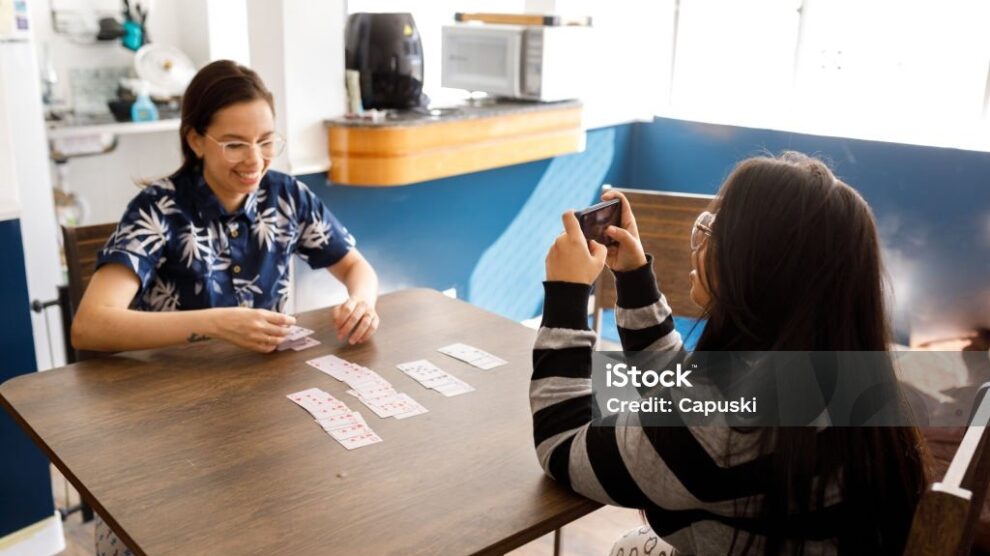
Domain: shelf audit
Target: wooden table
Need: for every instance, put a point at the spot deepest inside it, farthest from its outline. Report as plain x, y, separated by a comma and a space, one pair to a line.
196, 449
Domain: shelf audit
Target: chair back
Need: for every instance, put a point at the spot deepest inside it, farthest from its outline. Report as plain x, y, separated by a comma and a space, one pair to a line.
81, 244
665, 221
947, 515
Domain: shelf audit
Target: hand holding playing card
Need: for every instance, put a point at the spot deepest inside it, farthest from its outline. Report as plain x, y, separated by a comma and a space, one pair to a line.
255, 329
355, 319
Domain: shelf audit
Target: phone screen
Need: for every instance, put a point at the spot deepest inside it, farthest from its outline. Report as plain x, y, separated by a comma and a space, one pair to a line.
597, 218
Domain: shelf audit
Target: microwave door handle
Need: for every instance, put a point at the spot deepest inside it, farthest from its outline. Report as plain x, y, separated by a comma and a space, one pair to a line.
515, 58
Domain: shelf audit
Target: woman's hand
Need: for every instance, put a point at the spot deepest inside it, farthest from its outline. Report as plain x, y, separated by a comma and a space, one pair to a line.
255, 329
572, 258
629, 254
355, 318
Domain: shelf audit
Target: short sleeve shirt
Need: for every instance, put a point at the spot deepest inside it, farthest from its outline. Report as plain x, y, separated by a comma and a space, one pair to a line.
189, 253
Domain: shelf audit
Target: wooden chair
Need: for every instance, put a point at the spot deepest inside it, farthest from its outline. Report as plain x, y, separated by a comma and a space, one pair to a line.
665, 221
946, 518
82, 243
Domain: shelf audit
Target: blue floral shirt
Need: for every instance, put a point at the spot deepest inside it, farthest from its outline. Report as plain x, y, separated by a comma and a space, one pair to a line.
190, 253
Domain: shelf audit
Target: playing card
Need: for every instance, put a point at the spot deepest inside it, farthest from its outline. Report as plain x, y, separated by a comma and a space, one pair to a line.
374, 391
345, 371
304, 343
297, 333
385, 409
437, 381
317, 402
473, 356
455, 387
421, 370
348, 419
331, 365
413, 407
288, 344
360, 440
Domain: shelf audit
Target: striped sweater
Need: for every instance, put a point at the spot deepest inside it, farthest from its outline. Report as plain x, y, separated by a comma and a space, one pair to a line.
698, 486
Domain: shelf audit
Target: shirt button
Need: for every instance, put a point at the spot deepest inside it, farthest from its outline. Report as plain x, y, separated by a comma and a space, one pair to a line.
237, 269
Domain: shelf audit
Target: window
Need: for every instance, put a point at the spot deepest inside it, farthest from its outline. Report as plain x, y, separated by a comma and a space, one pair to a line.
914, 71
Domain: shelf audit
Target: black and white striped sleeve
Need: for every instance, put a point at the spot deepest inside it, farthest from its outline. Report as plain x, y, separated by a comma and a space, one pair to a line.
561, 401
642, 314
614, 459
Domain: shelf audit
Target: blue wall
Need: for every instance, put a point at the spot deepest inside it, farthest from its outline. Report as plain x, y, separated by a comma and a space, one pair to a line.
486, 233
25, 483
932, 205
436, 234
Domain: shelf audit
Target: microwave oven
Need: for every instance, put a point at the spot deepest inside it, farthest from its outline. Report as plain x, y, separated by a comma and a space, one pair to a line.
528, 62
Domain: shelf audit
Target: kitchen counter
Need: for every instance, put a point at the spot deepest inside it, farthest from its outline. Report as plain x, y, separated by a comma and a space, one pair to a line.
409, 146
471, 110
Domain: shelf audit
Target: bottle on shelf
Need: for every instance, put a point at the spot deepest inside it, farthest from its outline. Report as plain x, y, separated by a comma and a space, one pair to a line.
143, 109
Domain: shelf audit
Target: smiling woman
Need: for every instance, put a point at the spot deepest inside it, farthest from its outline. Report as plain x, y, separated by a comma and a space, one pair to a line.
205, 253
214, 240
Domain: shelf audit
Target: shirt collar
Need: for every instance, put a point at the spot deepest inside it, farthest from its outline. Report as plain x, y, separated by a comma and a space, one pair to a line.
210, 207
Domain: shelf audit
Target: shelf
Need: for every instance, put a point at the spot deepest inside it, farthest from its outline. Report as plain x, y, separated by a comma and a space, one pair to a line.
63, 131
419, 145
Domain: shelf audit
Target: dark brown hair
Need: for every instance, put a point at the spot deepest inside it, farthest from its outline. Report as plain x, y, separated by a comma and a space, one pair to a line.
794, 263
215, 87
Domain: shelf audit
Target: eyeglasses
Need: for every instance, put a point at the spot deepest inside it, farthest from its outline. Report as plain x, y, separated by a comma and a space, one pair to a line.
702, 229
239, 151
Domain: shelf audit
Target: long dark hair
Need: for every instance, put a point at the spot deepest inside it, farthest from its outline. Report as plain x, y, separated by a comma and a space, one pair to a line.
794, 263
215, 87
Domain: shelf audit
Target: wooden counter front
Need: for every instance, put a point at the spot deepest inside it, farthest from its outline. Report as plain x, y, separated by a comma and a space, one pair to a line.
400, 152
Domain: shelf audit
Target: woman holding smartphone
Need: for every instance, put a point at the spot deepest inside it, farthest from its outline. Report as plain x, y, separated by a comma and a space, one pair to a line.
785, 259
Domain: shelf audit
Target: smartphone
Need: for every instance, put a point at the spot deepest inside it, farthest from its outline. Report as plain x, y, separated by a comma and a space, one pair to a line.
596, 219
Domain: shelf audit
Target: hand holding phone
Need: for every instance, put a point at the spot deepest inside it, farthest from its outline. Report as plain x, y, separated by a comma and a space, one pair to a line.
596, 219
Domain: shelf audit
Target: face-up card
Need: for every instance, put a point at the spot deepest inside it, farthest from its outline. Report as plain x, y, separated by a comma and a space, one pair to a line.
473, 356
296, 333
288, 344
312, 399
421, 370
304, 343
320, 405
433, 383
373, 391
413, 407
347, 431
454, 388
386, 409
348, 419
344, 371
360, 440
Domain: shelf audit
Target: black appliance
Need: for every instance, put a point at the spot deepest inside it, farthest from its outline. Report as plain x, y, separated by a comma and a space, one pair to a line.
386, 49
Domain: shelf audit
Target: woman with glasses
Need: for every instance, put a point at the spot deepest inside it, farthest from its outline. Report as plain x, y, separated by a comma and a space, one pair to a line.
206, 252
785, 259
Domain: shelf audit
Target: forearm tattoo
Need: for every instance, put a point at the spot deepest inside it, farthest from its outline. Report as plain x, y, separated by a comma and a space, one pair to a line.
194, 337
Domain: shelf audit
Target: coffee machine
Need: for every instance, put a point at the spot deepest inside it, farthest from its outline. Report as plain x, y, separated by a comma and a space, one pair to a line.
386, 50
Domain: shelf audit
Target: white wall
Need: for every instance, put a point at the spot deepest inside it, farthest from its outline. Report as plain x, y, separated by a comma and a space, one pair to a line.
10, 204
303, 64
